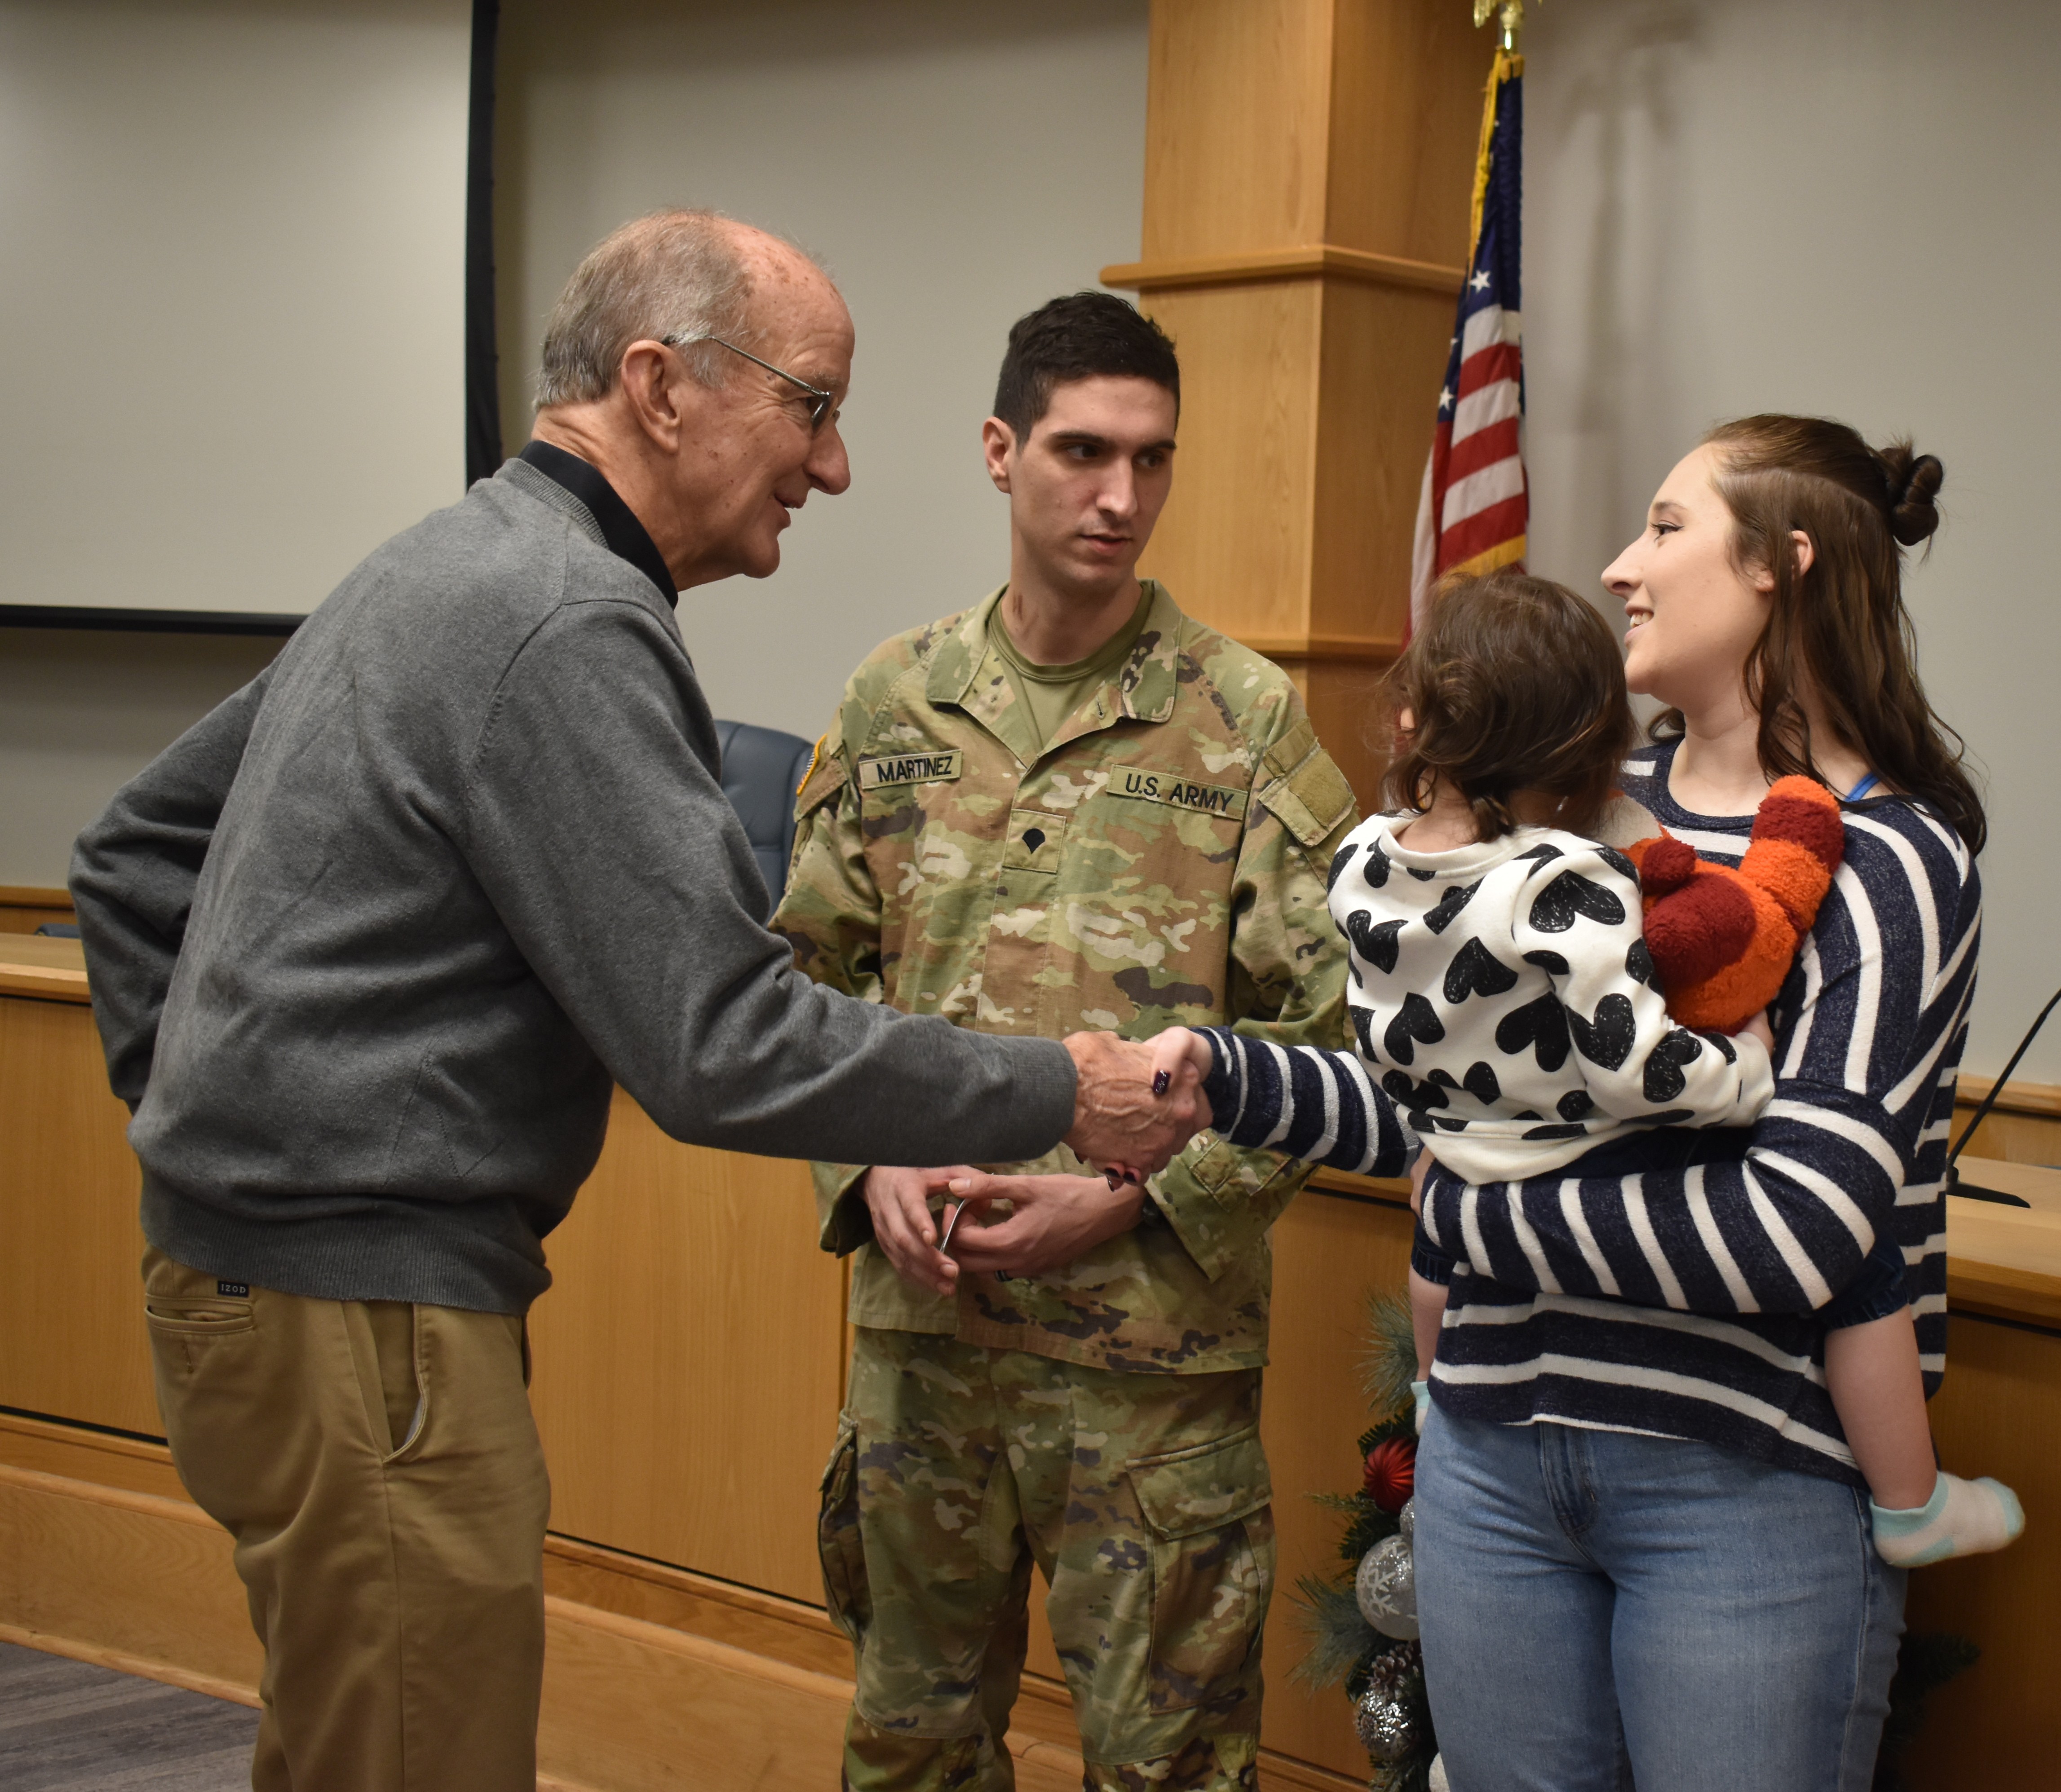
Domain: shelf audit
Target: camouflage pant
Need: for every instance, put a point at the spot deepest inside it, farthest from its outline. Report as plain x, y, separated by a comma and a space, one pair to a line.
1143, 1498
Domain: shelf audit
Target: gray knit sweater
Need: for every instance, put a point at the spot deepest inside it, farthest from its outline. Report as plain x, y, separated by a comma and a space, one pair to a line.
369, 942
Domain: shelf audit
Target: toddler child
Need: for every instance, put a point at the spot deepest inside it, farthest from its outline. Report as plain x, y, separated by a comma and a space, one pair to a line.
1503, 994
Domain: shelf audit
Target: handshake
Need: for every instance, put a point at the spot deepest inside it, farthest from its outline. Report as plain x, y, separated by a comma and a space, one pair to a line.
1135, 1106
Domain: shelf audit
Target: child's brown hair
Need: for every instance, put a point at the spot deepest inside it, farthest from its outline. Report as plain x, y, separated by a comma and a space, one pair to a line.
1514, 684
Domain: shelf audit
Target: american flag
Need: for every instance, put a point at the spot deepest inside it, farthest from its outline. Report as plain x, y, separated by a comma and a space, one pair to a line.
1472, 512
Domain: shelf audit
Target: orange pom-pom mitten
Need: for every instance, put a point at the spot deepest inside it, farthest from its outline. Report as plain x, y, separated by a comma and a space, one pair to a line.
1722, 940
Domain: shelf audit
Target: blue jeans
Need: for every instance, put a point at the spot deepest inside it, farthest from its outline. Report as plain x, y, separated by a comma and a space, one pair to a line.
1601, 1608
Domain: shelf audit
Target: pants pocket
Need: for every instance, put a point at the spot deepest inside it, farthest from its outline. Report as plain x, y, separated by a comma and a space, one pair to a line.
1209, 1511
400, 1373
846, 1590
199, 1318
193, 1324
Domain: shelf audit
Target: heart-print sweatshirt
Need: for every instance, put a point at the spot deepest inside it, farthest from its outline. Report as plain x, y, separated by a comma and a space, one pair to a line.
1503, 996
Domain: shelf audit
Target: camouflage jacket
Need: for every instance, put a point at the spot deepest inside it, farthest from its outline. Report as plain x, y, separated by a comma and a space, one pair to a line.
1162, 861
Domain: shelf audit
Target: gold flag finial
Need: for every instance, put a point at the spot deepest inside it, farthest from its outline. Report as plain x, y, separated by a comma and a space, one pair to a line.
1509, 16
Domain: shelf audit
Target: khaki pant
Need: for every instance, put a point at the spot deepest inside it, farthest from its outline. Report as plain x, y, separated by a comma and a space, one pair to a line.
378, 1466
1144, 1500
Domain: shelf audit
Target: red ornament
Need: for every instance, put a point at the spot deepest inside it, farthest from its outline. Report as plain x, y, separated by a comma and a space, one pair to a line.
1391, 1473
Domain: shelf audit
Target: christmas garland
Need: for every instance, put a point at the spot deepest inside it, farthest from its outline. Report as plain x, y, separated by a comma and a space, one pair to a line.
1363, 1624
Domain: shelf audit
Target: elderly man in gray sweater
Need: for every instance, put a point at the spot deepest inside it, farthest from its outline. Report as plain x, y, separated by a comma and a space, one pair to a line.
370, 944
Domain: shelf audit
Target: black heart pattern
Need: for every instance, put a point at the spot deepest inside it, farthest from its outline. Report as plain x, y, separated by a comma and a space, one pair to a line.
1575, 1104
1638, 965
1475, 971
1411, 1093
1550, 1130
1545, 854
1724, 1045
1540, 1026
1554, 909
1551, 962
1663, 1078
1607, 1040
1416, 1024
1339, 860
1421, 876
1447, 911
1618, 862
1374, 941
1480, 1082
1375, 871
1362, 1020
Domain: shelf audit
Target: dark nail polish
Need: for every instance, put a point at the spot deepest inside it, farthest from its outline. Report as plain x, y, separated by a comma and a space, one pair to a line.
1160, 1079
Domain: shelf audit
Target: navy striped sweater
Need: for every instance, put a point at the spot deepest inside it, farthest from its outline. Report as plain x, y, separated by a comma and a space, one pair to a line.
1682, 1303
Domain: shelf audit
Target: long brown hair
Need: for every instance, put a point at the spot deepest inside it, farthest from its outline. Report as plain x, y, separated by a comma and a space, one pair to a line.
1839, 631
1514, 684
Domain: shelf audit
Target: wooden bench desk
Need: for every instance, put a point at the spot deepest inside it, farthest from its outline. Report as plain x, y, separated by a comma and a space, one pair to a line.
689, 1367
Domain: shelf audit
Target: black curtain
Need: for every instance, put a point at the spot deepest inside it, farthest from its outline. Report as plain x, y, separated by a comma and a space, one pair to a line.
483, 381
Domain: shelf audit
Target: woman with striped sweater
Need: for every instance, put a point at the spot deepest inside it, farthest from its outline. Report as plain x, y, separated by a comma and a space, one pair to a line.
1644, 1543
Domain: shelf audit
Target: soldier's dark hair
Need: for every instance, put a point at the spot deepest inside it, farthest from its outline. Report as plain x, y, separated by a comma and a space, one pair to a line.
1514, 684
1079, 336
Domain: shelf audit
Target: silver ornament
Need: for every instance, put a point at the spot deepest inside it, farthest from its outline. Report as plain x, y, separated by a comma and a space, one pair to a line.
1385, 1589
1386, 1729
1407, 1522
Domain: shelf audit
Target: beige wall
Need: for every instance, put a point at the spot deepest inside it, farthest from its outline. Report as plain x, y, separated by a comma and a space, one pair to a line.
955, 162
82, 711
1848, 209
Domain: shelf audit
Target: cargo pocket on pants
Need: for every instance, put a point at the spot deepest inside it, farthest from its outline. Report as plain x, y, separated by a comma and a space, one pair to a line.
1211, 1514
837, 1541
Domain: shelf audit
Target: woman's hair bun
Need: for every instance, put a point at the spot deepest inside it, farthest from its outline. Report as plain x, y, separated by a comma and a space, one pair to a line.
1913, 484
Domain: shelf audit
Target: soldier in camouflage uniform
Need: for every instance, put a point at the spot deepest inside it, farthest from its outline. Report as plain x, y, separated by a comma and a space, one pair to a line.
1086, 1394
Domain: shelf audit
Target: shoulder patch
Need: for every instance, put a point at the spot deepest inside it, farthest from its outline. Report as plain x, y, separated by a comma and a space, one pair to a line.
1304, 788
825, 777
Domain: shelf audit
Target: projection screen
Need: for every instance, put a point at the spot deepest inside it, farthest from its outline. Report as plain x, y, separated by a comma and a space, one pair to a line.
232, 246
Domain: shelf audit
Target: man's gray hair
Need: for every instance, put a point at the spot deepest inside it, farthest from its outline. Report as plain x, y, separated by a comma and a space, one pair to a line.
670, 273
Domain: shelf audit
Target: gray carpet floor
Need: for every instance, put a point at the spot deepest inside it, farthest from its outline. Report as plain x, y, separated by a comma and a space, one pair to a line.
67, 1726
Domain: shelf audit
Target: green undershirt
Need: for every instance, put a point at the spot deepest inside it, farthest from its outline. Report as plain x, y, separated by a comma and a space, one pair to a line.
1051, 693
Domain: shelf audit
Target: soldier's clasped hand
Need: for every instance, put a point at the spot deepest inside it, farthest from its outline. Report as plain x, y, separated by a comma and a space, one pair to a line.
904, 1226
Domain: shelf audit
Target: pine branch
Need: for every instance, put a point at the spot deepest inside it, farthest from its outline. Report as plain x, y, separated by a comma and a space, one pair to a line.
1339, 1636
1388, 1365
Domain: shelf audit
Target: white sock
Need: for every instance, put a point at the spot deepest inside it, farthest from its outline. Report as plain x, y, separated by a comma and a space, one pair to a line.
1962, 1517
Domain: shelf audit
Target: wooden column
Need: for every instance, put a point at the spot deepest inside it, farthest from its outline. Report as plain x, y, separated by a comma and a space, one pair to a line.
1307, 171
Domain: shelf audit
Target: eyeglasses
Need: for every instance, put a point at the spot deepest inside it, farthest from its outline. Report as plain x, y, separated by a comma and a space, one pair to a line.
820, 403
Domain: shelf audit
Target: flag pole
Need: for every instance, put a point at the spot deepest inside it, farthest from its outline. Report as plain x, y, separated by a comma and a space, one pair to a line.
1509, 15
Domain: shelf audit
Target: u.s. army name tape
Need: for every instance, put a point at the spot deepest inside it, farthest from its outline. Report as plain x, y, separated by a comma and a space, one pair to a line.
1161, 786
